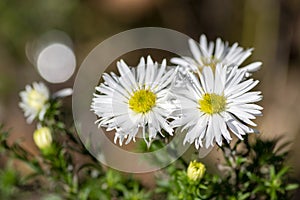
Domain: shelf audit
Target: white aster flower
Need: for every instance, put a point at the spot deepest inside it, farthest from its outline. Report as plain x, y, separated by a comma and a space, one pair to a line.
135, 100
215, 104
34, 101
210, 54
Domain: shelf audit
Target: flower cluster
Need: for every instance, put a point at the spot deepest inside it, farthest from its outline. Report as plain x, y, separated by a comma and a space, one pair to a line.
207, 94
207, 98
36, 103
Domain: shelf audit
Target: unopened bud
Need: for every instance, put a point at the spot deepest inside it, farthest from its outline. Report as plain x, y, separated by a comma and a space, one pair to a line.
42, 137
195, 170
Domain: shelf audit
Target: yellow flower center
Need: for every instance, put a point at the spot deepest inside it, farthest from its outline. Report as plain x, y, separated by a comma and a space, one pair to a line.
196, 170
36, 100
212, 103
142, 101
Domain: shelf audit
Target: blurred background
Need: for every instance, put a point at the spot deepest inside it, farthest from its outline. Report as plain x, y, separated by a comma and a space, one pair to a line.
272, 27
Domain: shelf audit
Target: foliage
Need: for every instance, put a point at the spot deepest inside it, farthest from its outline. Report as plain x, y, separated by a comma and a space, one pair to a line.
251, 171
66, 170
56, 172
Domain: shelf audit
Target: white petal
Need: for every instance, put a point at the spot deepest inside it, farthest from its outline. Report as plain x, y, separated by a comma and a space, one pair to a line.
197, 129
244, 57
141, 72
248, 97
216, 129
63, 93
203, 46
210, 48
127, 73
219, 48
241, 88
209, 134
159, 75
208, 79
223, 129
180, 61
149, 72
219, 80
253, 67
194, 49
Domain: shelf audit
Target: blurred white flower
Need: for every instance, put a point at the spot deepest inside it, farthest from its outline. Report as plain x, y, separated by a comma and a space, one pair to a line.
42, 137
215, 102
135, 100
34, 101
210, 54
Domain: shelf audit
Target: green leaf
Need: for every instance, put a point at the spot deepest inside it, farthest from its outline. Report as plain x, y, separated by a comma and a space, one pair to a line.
244, 196
292, 186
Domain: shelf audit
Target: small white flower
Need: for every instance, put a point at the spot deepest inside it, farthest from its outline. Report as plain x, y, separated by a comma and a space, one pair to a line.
215, 104
34, 101
135, 100
210, 54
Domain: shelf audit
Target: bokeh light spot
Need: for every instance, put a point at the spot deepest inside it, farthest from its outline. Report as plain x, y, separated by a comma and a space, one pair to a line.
56, 63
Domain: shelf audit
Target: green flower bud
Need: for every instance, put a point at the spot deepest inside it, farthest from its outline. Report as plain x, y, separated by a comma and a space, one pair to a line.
195, 170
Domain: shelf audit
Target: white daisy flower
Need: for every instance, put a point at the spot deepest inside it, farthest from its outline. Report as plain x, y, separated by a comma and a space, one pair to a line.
135, 100
210, 54
34, 101
215, 104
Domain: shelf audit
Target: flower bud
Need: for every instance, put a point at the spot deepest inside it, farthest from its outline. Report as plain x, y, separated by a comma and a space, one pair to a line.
195, 170
42, 138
